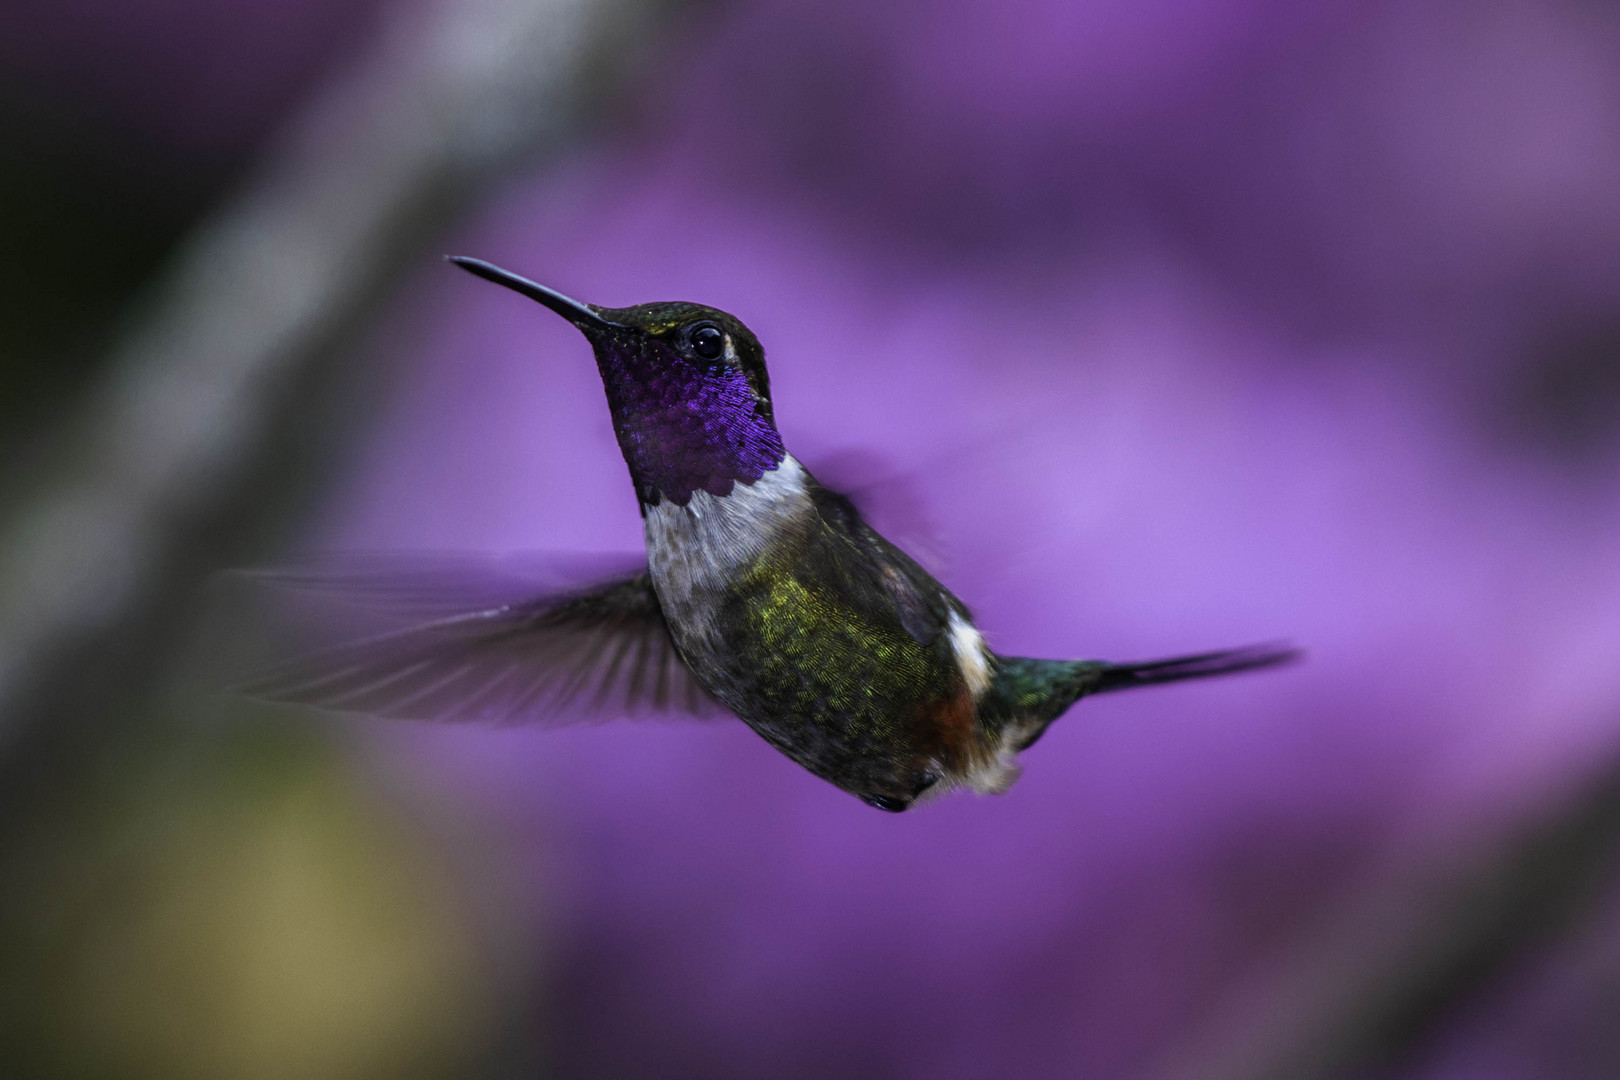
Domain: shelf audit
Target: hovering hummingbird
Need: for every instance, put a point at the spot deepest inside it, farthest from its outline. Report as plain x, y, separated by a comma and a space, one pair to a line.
764, 594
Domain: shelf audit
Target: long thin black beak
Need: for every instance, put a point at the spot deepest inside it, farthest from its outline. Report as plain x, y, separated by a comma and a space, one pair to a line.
581, 315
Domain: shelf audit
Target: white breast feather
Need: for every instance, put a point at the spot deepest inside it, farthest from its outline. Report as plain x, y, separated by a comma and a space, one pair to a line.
693, 550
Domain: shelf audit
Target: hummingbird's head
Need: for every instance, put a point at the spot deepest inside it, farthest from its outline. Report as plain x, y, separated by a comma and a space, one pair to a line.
687, 386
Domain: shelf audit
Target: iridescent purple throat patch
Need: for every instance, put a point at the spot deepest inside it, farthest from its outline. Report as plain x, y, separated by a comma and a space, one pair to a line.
684, 428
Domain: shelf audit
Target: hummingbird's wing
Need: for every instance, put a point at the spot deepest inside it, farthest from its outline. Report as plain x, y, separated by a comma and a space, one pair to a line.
602, 651
888, 498
917, 598
421, 585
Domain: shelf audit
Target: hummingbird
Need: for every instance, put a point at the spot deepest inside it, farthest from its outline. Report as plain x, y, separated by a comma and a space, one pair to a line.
764, 595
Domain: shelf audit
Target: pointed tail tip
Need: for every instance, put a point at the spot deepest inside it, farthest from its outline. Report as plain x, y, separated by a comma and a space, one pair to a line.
1199, 665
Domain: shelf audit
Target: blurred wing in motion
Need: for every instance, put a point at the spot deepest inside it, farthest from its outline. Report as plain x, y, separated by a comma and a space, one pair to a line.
603, 651
889, 498
429, 584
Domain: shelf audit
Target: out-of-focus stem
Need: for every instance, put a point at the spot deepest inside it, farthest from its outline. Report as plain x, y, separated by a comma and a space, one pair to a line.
1374, 986
265, 294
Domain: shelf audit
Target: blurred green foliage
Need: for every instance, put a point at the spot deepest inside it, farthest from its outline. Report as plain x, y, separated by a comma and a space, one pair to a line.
242, 907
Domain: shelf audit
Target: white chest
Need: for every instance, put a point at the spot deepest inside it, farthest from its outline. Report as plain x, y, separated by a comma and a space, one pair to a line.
694, 551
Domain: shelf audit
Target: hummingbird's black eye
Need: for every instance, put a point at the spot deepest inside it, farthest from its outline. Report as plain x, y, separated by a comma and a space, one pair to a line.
707, 341
886, 802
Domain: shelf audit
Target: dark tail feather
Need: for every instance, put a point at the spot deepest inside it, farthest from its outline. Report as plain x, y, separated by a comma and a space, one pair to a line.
1201, 666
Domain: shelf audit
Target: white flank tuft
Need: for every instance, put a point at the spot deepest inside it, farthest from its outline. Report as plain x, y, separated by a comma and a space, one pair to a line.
971, 655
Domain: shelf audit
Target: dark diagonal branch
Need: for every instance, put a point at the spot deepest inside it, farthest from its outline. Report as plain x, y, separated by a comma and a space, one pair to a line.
1376, 986
265, 295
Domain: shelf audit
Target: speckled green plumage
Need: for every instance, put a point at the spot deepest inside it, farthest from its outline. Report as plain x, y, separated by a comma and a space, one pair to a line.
820, 664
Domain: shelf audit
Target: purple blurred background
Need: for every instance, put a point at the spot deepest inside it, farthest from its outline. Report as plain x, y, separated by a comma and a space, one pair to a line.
1159, 326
